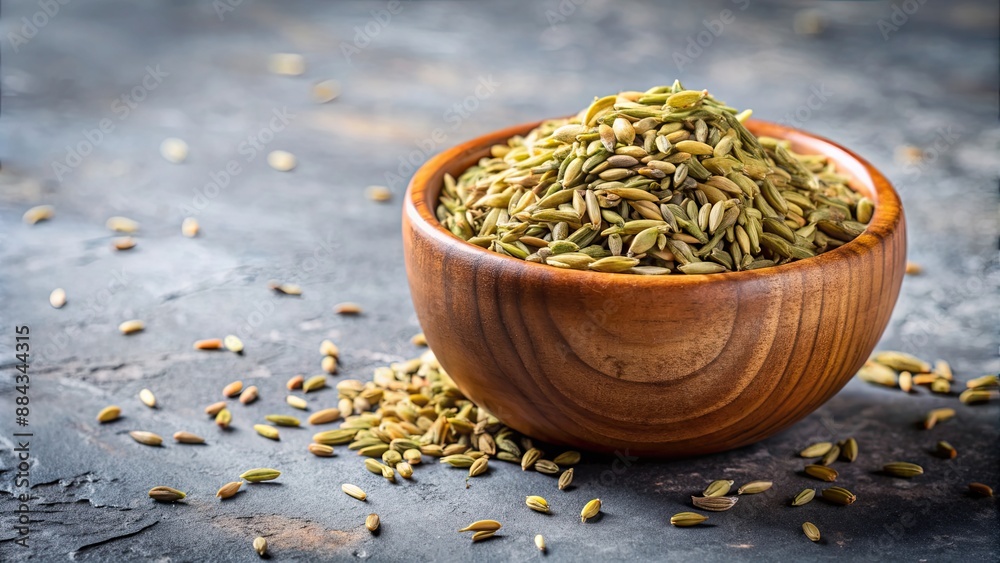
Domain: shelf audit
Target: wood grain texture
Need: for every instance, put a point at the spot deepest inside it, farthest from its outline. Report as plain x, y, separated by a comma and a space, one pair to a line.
668, 366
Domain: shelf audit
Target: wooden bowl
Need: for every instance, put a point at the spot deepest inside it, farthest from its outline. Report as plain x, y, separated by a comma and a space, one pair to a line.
668, 366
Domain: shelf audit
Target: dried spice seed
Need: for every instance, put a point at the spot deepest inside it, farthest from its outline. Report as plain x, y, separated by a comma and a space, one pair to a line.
540, 542
329, 364
945, 450
914, 269
901, 361
57, 298
715, 504
718, 488
328, 348
539, 504
754, 487
215, 408
350, 387
315, 382
297, 402
821, 472
223, 418
325, 91
188, 438
389, 473
109, 413
906, 381
460, 461
811, 531
433, 450
282, 161
288, 64
530, 457
454, 449
122, 225
146, 438
590, 510
479, 466
123, 243
937, 415
805, 497
375, 450
249, 395
229, 490
295, 383
367, 441
980, 489
372, 522
284, 288
909, 154
130, 327
878, 374
380, 194
190, 227
335, 437
618, 155
347, 308
419, 339
567, 458
941, 386
173, 150
687, 519
943, 369
565, 479
902, 469
233, 389
353, 491
260, 546
233, 344
166, 494
818, 449
985, 381
978, 396
405, 469
373, 466
547, 467
849, 450
267, 431
38, 213
415, 409
830, 456
321, 417
480, 536
260, 474
320, 450
208, 344
839, 495
482, 526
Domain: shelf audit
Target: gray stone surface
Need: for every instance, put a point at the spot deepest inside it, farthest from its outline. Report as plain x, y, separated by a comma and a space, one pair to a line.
931, 83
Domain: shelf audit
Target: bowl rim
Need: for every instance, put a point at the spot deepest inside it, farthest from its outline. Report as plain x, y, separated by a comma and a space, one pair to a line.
426, 183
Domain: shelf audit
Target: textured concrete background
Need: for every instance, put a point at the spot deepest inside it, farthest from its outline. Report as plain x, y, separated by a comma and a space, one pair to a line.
876, 76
